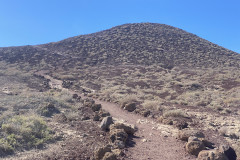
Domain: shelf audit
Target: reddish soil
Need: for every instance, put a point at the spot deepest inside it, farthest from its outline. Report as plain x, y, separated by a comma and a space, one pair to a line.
157, 146
147, 143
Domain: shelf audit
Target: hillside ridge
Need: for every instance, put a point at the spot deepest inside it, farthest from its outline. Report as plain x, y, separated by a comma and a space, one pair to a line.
135, 43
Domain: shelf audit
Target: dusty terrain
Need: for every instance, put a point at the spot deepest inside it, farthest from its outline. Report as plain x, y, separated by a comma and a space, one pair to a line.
159, 78
152, 140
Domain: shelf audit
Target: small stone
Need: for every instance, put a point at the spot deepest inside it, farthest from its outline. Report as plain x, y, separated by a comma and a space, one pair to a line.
106, 122
96, 107
130, 107
118, 144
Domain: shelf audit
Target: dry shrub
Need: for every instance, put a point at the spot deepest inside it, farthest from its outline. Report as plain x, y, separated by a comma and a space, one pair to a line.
128, 99
175, 113
151, 105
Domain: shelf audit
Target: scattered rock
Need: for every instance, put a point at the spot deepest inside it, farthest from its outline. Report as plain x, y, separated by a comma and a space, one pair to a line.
213, 154
181, 124
194, 146
178, 121
85, 117
7, 91
208, 144
96, 107
118, 134
75, 96
99, 154
130, 107
129, 129
88, 102
145, 113
103, 113
67, 84
195, 86
96, 117
118, 144
60, 118
186, 133
106, 122
164, 120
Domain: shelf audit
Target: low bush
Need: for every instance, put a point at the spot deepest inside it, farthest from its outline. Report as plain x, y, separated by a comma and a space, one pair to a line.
23, 132
128, 99
174, 113
48, 110
151, 105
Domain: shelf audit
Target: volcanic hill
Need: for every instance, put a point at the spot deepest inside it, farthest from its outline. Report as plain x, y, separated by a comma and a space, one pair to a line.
167, 82
137, 43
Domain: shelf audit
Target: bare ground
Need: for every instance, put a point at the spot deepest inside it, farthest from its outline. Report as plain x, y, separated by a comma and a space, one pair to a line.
152, 140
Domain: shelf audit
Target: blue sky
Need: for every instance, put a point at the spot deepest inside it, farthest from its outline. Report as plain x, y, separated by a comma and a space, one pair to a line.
28, 22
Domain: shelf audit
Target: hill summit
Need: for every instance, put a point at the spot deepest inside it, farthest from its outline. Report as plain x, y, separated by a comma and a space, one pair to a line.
137, 43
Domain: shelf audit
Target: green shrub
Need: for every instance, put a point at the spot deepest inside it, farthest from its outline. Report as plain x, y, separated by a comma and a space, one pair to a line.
48, 110
5, 147
23, 132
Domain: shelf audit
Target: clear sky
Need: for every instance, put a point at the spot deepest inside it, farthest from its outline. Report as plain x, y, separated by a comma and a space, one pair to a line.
28, 22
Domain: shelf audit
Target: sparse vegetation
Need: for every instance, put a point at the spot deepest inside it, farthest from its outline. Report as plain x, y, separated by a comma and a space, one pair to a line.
151, 105
23, 132
174, 113
165, 71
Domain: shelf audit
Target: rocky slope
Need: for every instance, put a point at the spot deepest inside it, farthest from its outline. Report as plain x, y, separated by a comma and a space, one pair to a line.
137, 43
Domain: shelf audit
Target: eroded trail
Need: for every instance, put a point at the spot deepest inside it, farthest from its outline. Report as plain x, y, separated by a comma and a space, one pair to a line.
152, 141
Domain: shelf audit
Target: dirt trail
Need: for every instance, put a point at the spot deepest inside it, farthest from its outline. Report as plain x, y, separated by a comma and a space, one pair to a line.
152, 141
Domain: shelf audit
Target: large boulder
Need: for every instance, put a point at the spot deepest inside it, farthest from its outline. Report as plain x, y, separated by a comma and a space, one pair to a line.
106, 122
100, 153
194, 146
129, 129
186, 133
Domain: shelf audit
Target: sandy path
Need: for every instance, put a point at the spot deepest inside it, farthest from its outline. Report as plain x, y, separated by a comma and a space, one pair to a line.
152, 141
